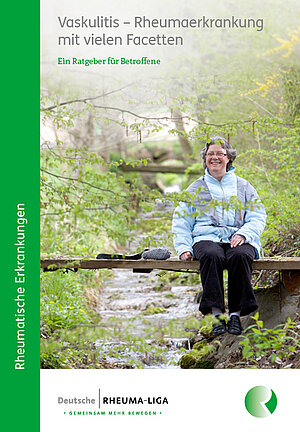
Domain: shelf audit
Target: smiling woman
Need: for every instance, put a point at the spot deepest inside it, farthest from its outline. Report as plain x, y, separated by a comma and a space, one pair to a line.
221, 236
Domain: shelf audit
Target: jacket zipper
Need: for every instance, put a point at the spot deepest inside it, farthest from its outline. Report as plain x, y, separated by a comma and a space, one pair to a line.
224, 201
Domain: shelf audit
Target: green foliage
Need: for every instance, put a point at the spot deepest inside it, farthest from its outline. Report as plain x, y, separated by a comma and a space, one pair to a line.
273, 168
62, 301
291, 86
280, 342
63, 357
82, 205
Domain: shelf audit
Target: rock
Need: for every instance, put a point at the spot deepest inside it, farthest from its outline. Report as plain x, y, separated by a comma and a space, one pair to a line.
201, 356
187, 361
194, 360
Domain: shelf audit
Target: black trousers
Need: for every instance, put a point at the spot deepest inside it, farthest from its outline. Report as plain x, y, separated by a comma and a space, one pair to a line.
216, 257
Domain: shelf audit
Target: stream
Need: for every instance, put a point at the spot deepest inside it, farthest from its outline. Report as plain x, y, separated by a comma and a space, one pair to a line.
148, 321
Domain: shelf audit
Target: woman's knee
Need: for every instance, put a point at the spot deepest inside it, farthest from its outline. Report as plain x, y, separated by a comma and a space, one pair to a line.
241, 253
210, 250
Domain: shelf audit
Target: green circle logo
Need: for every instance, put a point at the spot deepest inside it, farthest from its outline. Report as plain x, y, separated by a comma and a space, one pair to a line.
260, 401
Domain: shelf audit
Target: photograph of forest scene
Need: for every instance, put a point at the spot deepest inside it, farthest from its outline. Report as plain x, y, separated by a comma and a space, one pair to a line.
119, 147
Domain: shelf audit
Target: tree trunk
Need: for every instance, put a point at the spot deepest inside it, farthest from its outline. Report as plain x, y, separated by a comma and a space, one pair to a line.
184, 142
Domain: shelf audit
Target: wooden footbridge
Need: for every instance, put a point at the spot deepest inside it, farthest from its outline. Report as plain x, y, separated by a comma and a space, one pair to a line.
289, 267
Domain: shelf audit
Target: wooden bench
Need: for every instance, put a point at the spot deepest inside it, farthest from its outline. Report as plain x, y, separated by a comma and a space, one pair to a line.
289, 267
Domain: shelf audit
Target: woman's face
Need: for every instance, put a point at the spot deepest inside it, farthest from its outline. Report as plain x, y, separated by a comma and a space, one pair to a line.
216, 161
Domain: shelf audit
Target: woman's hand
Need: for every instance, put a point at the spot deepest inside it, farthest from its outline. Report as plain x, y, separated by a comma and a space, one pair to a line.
186, 256
237, 240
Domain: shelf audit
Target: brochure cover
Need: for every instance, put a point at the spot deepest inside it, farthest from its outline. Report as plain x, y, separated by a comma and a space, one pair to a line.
130, 94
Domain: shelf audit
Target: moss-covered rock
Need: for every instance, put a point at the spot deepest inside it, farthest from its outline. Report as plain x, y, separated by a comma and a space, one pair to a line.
161, 287
201, 356
153, 310
189, 360
170, 295
198, 345
195, 360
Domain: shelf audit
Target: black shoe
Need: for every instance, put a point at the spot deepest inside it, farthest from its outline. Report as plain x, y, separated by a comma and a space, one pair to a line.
234, 325
219, 328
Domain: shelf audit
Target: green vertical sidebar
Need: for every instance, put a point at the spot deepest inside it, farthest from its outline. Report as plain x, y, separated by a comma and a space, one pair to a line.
20, 231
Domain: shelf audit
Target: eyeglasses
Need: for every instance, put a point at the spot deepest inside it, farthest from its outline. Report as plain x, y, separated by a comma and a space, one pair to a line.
218, 154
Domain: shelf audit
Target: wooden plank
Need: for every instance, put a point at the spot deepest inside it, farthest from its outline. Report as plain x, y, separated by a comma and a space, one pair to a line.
277, 263
280, 263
